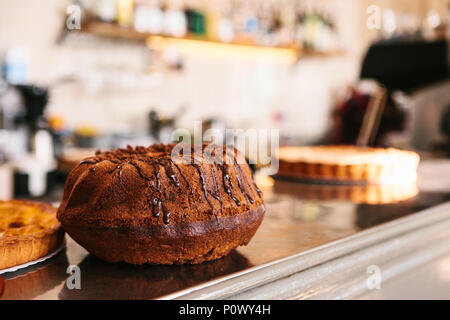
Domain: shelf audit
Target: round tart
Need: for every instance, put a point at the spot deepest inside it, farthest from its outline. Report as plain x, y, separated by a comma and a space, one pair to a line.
350, 164
140, 205
28, 231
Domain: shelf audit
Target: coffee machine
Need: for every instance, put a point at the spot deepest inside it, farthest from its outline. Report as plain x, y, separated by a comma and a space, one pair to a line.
25, 138
418, 71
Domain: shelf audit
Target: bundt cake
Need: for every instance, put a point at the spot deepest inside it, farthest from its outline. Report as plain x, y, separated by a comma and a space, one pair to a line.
144, 205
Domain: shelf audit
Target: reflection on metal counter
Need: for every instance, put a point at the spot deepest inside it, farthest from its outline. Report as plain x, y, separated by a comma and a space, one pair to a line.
37, 279
124, 281
303, 231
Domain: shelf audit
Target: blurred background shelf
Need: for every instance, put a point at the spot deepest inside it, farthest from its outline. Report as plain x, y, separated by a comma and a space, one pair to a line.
195, 44
140, 69
114, 31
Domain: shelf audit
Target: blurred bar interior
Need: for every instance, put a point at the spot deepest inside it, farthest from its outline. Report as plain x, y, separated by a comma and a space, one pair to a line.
135, 70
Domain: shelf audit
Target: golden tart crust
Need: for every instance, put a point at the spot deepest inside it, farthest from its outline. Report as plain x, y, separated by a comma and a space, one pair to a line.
352, 164
28, 231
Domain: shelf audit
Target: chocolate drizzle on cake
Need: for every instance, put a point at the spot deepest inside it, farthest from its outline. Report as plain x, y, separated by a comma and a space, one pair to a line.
205, 191
166, 215
238, 172
156, 205
158, 181
159, 156
260, 194
228, 188
87, 162
139, 170
170, 172
216, 193
119, 168
191, 191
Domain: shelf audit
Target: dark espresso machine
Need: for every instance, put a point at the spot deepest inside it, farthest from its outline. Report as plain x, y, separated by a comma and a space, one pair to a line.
27, 141
419, 69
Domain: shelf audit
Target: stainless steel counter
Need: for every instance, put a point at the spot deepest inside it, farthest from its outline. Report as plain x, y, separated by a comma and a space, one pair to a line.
305, 248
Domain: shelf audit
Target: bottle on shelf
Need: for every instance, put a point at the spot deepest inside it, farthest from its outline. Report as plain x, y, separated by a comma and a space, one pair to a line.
105, 10
125, 13
155, 17
175, 22
224, 26
277, 23
265, 21
248, 21
212, 13
141, 16
196, 20
314, 28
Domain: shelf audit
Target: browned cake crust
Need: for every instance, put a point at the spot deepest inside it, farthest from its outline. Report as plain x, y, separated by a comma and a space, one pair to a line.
31, 240
138, 205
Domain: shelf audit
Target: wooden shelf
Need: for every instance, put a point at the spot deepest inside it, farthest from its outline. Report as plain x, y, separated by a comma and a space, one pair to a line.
114, 31
193, 44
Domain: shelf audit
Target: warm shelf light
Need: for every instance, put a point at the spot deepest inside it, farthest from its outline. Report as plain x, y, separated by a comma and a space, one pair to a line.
223, 50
